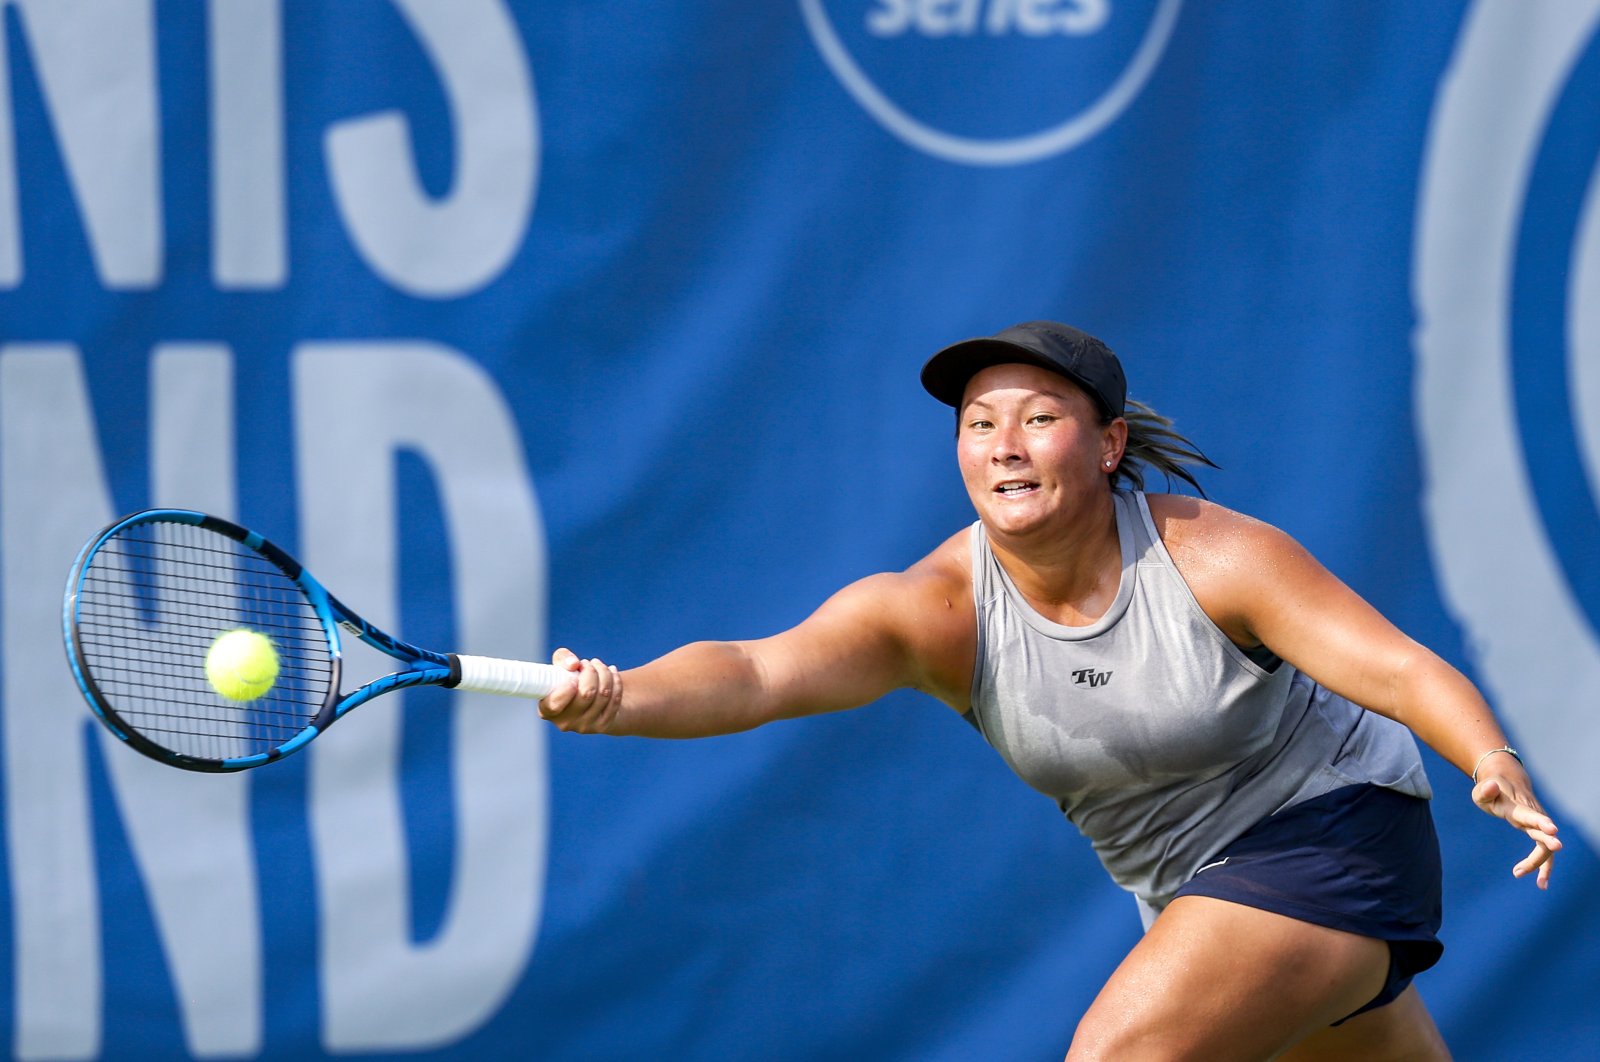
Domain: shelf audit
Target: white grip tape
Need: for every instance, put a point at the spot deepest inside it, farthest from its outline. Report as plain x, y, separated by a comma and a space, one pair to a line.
515, 678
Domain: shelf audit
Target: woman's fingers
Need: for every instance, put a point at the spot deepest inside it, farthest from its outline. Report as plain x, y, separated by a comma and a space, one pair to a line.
587, 682
1523, 812
603, 678
606, 709
1540, 859
588, 702
1539, 826
559, 699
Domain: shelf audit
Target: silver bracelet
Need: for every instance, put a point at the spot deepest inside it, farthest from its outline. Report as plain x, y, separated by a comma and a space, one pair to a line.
1491, 752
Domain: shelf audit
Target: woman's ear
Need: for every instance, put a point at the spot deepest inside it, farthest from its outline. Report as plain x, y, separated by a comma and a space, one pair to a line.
1114, 444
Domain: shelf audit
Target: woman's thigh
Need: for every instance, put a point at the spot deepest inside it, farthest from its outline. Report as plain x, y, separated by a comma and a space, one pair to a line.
1219, 980
1401, 1031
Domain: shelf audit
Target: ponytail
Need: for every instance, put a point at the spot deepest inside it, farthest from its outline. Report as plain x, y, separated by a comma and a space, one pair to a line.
1153, 443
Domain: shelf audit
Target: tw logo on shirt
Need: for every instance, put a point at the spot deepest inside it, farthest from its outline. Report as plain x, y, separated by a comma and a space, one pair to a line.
1088, 676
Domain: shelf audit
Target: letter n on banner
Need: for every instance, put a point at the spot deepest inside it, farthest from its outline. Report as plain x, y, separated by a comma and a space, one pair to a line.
357, 406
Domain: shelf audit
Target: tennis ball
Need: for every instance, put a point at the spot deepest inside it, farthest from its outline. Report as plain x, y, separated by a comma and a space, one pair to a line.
241, 664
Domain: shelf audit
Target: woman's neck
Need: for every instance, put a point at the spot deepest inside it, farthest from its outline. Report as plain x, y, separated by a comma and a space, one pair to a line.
1068, 571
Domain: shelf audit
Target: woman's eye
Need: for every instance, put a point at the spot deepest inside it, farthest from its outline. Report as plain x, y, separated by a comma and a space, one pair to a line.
1041, 418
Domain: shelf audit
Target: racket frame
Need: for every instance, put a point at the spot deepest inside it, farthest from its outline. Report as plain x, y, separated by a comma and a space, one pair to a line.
426, 668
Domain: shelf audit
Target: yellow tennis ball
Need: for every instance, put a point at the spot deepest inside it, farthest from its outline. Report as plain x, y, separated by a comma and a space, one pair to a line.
242, 664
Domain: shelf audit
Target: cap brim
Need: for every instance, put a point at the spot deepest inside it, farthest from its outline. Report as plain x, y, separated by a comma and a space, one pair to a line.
946, 374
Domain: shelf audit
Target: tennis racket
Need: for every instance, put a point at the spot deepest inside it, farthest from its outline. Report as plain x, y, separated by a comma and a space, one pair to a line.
150, 594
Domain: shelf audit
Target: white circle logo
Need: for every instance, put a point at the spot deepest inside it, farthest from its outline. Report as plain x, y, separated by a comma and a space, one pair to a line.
1079, 59
1507, 289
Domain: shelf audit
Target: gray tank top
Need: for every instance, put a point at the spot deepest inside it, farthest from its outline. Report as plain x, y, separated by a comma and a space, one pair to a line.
1160, 739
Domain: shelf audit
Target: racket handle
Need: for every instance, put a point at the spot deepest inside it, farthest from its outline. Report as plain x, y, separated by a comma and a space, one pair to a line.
515, 678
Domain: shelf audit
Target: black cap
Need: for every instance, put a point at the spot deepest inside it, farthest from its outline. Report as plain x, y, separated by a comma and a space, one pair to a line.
1077, 355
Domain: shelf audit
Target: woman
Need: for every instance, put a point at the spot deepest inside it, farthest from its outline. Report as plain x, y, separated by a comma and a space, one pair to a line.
1183, 680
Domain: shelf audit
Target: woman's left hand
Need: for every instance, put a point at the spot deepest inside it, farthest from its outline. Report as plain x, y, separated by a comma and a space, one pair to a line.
1507, 794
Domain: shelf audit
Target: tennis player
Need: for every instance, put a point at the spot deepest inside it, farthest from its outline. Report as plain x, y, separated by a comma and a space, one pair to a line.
1229, 724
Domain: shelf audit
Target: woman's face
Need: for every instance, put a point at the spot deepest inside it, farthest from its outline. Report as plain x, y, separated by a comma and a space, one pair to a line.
1032, 448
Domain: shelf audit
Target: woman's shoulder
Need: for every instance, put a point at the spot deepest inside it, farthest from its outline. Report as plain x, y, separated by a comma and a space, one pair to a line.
915, 600
949, 561
939, 620
937, 587
1214, 547
1188, 523
1230, 560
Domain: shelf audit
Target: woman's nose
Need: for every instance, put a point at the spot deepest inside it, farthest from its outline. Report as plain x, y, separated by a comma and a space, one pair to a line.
1007, 446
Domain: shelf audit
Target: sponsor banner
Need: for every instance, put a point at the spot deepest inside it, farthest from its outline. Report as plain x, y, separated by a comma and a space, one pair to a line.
1070, 69
598, 325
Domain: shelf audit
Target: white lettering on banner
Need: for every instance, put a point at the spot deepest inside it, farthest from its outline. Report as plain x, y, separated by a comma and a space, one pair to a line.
190, 837
1031, 18
356, 404
447, 248
1501, 578
1022, 18
249, 231
96, 65
203, 895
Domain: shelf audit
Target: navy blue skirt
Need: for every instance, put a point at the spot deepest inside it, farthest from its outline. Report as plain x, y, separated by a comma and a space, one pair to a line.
1362, 859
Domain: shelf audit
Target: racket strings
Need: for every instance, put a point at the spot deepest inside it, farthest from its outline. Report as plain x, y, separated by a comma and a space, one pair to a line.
151, 602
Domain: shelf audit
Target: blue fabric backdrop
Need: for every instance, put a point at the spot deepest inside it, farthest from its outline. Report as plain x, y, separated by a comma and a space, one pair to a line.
597, 324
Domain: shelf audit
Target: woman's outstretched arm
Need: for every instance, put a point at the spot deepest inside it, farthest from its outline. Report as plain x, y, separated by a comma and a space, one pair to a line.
884, 632
1262, 587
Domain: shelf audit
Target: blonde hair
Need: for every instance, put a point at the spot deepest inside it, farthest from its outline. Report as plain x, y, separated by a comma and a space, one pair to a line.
1153, 443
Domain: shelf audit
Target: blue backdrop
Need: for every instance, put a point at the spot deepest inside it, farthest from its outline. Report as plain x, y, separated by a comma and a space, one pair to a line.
597, 324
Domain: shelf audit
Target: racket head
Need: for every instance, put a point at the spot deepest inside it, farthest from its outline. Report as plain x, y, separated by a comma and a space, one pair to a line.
146, 599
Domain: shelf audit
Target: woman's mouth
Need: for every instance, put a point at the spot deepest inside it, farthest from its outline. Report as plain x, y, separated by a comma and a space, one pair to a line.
1012, 488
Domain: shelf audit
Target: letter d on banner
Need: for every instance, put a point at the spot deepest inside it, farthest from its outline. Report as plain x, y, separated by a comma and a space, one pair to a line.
356, 405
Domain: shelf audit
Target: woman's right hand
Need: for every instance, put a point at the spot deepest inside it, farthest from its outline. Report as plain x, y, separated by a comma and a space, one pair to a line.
588, 703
